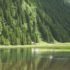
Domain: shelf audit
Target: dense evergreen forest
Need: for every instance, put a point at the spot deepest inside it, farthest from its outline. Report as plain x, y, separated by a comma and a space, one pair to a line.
27, 21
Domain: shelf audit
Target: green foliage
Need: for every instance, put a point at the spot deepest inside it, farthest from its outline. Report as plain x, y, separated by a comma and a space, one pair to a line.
27, 21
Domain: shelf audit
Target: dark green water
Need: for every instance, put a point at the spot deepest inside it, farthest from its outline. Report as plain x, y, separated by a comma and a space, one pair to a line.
24, 59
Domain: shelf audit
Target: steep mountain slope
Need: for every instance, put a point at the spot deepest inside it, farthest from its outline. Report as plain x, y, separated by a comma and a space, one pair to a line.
27, 21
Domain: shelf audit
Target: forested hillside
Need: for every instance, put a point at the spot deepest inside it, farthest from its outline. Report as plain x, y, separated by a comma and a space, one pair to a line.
27, 21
